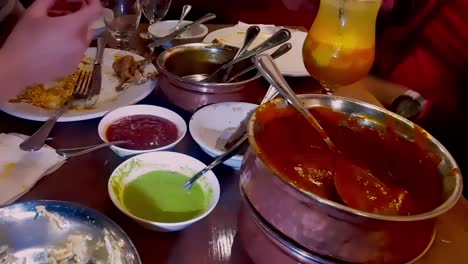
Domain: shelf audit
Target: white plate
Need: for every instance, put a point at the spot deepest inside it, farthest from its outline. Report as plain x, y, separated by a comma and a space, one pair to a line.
290, 64
207, 124
109, 98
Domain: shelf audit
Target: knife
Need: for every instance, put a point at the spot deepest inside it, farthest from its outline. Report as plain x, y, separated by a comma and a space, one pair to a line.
97, 74
176, 33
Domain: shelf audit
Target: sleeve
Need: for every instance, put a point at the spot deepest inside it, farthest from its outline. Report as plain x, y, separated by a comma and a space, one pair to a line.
426, 54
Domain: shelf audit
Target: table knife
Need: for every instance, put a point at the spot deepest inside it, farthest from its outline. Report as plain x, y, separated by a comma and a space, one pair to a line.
97, 74
176, 33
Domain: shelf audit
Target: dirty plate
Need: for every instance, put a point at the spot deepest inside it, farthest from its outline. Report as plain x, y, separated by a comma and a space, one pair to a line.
109, 98
208, 124
61, 232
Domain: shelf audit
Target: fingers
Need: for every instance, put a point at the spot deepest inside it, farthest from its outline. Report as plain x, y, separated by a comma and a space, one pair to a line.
40, 7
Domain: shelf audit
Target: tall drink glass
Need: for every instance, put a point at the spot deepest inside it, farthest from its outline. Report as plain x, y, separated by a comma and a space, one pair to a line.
339, 48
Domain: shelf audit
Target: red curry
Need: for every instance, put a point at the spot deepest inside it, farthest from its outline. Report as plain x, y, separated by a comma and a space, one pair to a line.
379, 172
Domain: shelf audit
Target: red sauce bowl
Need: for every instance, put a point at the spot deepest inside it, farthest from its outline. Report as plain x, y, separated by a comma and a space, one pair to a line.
143, 126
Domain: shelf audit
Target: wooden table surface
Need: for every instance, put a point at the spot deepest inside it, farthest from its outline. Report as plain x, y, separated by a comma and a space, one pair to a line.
84, 179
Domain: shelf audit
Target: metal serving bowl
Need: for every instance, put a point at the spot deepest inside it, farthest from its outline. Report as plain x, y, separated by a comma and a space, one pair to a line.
27, 234
199, 58
335, 231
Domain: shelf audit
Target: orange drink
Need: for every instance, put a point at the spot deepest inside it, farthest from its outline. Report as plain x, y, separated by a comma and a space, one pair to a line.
339, 48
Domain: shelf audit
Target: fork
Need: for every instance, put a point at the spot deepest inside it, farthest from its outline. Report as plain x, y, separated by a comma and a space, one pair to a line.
75, 152
80, 91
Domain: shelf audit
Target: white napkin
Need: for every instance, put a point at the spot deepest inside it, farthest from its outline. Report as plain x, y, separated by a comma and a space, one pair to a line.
20, 170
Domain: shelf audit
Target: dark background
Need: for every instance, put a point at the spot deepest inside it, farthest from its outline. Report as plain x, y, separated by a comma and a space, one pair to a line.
282, 12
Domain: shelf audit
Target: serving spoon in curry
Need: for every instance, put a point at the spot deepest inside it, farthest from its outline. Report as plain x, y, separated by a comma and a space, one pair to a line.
272, 74
348, 177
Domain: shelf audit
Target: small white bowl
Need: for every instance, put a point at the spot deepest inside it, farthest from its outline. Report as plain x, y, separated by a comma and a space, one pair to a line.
163, 28
207, 124
126, 111
163, 160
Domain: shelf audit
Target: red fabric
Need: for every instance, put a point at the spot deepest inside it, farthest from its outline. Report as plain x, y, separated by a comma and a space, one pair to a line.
428, 53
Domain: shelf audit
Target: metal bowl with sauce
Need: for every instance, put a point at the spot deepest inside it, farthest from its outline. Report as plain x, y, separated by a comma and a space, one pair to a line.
335, 232
198, 58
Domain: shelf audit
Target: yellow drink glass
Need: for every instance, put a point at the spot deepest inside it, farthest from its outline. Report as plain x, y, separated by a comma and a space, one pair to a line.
339, 48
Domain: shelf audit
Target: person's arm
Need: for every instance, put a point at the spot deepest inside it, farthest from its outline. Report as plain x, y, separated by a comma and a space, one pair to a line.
395, 97
12, 79
42, 48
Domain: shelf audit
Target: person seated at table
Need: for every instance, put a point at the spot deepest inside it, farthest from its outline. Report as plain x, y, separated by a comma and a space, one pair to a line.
421, 45
42, 48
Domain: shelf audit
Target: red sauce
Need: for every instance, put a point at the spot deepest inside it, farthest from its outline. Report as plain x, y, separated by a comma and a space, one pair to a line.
379, 171
143, 132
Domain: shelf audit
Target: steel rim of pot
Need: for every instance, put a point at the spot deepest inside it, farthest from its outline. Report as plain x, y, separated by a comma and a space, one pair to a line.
447, 204
163, 57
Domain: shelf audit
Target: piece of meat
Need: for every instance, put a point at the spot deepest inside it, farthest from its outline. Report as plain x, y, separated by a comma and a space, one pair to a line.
127, 69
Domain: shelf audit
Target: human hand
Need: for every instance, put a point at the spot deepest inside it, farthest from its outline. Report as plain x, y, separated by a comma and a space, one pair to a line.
45, 48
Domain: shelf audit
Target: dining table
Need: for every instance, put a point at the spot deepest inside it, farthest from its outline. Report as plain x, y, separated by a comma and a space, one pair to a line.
84, 180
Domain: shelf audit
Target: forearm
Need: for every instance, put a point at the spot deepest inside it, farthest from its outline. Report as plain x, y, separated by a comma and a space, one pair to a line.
386, 92
373, 90
397, 98
12, 80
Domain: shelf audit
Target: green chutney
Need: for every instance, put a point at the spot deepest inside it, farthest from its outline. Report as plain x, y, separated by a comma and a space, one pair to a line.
160, 196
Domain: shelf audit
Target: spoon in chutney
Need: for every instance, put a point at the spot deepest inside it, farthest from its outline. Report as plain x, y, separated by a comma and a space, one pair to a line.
271, 73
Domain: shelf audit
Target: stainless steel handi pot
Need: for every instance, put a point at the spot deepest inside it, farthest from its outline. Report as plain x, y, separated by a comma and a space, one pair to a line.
298, 222
176, 63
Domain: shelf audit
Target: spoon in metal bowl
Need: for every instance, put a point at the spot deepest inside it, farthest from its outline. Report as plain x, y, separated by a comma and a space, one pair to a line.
271, 73
285, 48
280, 37
250, 35
185, 10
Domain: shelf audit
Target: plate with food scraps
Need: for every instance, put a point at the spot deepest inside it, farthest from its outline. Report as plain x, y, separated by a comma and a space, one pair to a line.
61, 232
290, 64
212, 125
39, 102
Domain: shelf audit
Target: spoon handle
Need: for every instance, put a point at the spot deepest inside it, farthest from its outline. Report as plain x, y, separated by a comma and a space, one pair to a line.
38, 139
271, 73
185, 10
176, 33
250, 36
280, 37
74, 152
285, 48
220, 159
